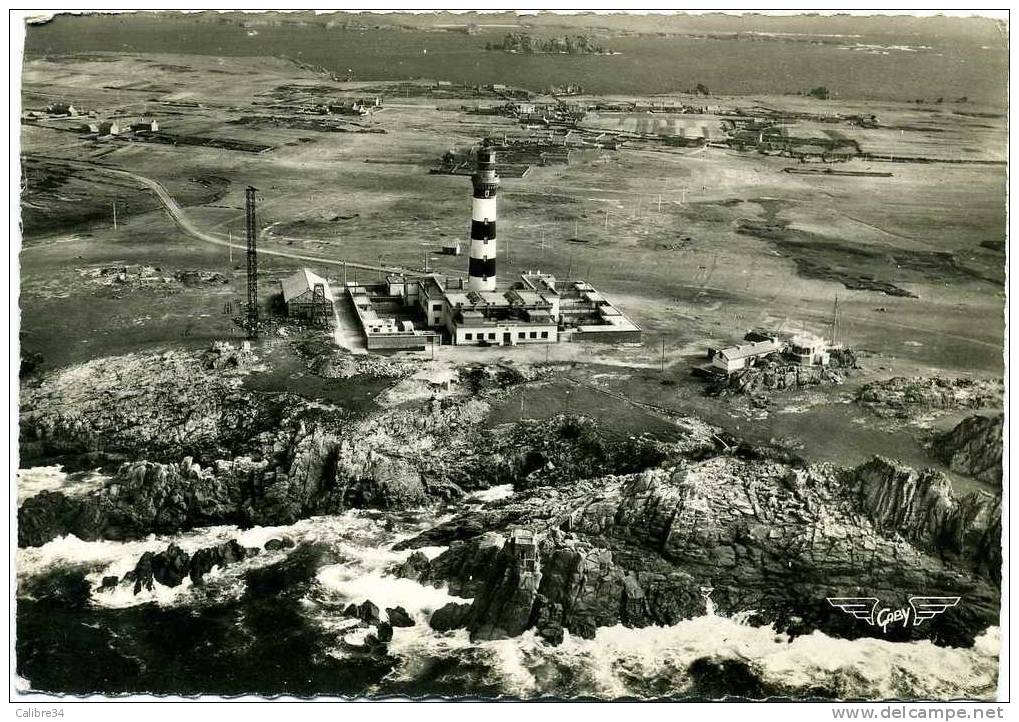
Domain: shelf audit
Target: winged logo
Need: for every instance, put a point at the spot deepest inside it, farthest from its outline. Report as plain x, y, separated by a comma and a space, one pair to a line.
863, 608
867, 609
925, 608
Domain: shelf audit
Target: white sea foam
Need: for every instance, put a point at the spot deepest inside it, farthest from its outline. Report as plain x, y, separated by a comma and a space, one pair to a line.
37, 479
365, 576
356, 585
495, 493
351, 533
619, 661
653, 661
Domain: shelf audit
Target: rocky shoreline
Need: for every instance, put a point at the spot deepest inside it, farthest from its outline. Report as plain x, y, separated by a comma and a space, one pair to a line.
650, 548
600, 531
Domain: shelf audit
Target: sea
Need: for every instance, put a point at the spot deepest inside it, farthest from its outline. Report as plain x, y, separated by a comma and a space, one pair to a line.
880, 59
272, 625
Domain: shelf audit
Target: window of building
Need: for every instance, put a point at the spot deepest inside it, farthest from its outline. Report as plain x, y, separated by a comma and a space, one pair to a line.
544, 334
521, 335
491, 337
436, 306
468, 336
534, 334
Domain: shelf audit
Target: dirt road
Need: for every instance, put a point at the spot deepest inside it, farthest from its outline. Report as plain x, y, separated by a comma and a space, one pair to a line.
181, 219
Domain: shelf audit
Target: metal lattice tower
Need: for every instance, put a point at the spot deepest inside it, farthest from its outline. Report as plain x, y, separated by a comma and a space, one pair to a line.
250, 227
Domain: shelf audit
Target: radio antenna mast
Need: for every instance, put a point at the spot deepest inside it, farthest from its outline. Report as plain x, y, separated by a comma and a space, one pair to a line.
249, 217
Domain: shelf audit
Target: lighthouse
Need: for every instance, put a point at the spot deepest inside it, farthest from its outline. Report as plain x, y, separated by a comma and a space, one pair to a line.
481, 267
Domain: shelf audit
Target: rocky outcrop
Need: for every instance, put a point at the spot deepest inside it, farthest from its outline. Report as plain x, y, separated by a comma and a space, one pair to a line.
655, 547
922, 507
142, 498
154, 405
973, 447
564, 448
776, 376
334, 364
295, 461
300, 473
172, 566
398, 617
383, 482
902, 397
506, 598
224, 355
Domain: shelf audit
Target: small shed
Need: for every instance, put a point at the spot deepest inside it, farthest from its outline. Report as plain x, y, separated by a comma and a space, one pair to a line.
307, 295
525, 548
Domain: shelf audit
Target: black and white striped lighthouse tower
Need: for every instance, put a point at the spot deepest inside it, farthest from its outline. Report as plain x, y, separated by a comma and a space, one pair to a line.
481, 268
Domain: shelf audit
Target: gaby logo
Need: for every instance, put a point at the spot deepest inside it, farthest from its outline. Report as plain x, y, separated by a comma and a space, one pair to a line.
920, 610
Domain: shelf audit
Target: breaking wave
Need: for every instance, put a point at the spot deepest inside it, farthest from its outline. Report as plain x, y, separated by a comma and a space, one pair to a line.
617, 662
657, 661
32, 482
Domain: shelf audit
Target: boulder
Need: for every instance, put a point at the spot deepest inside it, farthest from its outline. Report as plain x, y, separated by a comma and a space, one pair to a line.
415, 567
170, 567
277, 544
368, 612
451, 616
398, 617
384, 632
973, 447
712, 678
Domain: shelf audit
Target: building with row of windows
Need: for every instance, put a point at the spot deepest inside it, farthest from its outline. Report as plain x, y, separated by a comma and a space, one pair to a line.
483, 309
412, 311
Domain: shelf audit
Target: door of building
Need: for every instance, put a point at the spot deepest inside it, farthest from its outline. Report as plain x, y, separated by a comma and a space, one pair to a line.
507, 338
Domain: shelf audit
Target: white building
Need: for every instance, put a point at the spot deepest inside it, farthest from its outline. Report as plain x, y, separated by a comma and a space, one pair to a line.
735, 358
808, 350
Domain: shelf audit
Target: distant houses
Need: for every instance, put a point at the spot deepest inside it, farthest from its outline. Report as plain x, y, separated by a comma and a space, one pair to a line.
145, 126
105, 127
61, 110
54, 111
358, 106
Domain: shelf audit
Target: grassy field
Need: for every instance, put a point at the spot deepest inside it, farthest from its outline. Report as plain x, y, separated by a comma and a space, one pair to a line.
658, 230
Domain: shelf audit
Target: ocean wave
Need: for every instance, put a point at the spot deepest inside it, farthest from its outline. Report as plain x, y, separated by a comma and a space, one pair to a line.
656, 662
617, 662
495, 493
360, 536
37, 479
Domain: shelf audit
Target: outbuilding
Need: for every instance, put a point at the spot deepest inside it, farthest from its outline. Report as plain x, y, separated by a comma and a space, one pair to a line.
307, 295
734, 358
